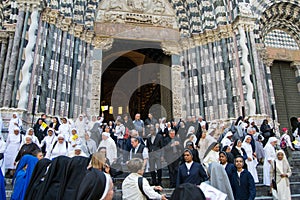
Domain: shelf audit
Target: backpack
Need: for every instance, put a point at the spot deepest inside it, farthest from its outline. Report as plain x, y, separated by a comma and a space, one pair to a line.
283, 143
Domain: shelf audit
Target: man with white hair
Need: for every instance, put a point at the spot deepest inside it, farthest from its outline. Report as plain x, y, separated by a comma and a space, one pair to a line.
110, 146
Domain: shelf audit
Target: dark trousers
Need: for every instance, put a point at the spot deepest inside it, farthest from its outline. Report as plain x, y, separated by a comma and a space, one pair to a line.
173, 171
154, 158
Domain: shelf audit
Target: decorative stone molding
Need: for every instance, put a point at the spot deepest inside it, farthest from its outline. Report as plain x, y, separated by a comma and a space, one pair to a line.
89, 35
177, 91
213, 35
295, 64
104, 43
65, 24
171, 47
33, 4
52, 16
77, 30
151, 12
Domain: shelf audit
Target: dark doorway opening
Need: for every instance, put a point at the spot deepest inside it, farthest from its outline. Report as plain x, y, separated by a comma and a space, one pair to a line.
286, 93
129, 57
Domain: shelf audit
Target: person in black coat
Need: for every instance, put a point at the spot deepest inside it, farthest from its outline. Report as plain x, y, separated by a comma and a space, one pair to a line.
266, 131
243, 185
190, 172
40, 129
28, 148
155, 145
172, 154
37, 179
55, 123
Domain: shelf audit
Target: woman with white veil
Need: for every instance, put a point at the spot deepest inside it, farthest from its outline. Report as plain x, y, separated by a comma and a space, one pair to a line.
251, 158
81, 126
65, 128
15, 122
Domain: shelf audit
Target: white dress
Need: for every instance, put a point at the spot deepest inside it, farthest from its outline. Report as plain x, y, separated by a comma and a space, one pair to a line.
212, 156
283, 184
48, 141
13, 143
12, 125
204, 144
65, 130
251, 164
58, 150
111, 148
270, 154
81, 127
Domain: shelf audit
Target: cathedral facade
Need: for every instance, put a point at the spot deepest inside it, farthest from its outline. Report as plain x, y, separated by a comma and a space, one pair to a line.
219, 58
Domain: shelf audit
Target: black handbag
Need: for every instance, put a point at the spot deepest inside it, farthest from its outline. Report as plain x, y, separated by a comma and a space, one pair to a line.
274, 184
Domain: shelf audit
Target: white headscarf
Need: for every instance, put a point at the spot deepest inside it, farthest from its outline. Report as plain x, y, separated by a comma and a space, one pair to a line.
272, 139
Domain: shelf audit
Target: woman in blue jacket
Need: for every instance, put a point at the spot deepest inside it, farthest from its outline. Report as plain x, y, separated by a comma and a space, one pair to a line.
243, 185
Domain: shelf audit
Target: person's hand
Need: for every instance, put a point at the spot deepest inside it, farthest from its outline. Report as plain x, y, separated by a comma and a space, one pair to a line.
163, 197
158, 188
15, 163
250, 159
283, 175
176, 143
292, 149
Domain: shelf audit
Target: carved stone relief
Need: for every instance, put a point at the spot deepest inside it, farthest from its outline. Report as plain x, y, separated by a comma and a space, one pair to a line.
152, 12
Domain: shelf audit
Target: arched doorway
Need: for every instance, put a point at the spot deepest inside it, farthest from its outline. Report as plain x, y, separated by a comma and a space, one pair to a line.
141, 62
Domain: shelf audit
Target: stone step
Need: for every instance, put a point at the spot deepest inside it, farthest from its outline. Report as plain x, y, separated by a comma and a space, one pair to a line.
294, 197
262, 190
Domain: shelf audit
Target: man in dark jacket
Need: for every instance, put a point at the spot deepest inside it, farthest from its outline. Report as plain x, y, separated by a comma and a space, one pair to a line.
172, 153
243, 185
155, 145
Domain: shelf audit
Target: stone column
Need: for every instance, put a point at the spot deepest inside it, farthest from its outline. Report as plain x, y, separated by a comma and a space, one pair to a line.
14, 56
296, 65
26, 75
100, 44
172, 48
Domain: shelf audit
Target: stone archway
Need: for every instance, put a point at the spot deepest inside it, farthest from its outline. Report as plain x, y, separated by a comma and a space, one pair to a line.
279, 18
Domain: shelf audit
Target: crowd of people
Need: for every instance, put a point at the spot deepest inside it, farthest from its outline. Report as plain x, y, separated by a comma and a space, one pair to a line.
52, 154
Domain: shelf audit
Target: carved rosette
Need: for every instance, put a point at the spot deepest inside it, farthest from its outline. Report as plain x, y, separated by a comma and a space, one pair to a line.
104, 43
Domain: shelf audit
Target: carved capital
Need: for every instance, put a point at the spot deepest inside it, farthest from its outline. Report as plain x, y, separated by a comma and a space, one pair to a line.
65, 24
77, 30
268, 62
10, 27
171, 47
295, 64
104, 43
52, 16
3, 36
33, 4
89, 35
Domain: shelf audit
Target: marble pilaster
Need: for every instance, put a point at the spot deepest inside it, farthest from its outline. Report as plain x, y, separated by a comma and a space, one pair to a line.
296, 65
96, 82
